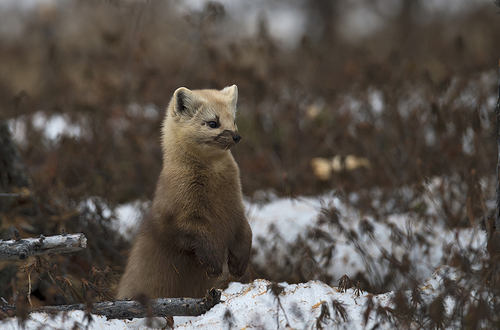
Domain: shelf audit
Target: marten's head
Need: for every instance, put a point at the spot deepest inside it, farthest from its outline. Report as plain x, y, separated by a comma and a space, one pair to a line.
202, 119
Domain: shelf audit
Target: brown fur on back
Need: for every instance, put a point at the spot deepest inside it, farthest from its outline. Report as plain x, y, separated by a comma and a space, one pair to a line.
196, 223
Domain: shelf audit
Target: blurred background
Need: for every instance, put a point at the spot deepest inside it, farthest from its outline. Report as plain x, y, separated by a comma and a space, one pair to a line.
355, 96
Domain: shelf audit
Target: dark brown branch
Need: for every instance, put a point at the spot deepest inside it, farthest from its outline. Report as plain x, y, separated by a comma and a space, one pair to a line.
123, 309
23, 248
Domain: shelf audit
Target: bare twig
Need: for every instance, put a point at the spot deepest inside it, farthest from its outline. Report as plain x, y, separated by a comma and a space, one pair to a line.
23, 248
123, 309
58, 287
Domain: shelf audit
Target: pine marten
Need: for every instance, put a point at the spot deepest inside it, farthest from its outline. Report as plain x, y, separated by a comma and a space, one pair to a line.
197, 218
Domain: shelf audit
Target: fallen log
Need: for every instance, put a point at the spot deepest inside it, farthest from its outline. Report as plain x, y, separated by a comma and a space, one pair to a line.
23, 248
129, 309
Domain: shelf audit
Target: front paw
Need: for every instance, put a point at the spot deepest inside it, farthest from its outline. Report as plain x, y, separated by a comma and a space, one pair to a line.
211, 263
213, 270
237, 268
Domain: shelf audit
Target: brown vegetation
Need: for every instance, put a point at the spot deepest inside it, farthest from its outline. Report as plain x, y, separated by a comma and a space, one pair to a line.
111, 66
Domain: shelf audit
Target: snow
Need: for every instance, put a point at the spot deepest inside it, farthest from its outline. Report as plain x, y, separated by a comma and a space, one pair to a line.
299, 306
277, 227
18, 130
255, 306
126, 216
55, 126
51, 127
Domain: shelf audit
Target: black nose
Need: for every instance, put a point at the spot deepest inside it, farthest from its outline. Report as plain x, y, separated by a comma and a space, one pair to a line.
236, 138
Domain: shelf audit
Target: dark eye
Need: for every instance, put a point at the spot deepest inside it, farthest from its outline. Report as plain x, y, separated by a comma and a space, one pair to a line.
213, 124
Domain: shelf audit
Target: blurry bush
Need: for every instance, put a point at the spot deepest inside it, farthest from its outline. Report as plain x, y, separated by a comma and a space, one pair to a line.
409, 91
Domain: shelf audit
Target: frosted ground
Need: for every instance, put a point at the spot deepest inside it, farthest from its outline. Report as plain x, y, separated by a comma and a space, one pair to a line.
306, 305
253, 306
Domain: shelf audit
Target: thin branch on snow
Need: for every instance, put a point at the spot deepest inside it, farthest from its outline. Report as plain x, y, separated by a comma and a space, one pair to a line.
23, 248
123, 309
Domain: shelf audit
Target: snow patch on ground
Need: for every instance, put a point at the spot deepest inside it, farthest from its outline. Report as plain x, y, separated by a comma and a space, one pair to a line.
129, 216
124, 218
257, 306
277, 226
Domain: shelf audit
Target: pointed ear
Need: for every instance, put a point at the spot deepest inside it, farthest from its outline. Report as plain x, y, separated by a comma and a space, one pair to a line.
185, 102
232, 93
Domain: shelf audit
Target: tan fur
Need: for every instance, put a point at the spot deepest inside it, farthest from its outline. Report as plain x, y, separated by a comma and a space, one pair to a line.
196, 223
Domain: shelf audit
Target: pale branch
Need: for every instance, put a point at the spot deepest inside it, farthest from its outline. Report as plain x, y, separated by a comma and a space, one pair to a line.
129, 309
23, 248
